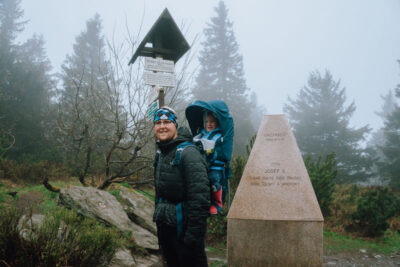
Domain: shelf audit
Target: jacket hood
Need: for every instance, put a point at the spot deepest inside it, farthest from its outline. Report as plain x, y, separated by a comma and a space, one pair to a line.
183, 135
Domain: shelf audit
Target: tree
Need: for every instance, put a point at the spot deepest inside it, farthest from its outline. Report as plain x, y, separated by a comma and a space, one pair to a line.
389, 105
221, 75
378, 140
320, 121
322, 175
103, 104
25, 86
390, 167
92, 117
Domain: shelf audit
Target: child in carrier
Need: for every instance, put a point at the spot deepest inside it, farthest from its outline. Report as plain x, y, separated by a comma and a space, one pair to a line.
210, 137
212, 127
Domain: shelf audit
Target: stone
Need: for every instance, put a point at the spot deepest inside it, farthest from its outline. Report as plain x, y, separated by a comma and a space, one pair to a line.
122, 258
149, 261
104, 207
27, 225
139, 208
275, 219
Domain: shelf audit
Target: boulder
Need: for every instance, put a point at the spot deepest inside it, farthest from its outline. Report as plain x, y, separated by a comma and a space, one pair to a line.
123, 258
103, 206
149, 261
28, 224
139, 208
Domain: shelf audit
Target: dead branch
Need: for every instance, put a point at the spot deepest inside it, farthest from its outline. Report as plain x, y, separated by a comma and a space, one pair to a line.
114, 178
49, 186
148, 181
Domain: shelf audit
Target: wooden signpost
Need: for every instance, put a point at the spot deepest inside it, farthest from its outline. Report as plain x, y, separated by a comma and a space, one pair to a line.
162, 47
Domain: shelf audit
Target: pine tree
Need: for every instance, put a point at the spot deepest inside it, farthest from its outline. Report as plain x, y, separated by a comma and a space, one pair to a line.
320, 121
322, 175
390, 165
221, 75
87, 105
25, 86
388, 106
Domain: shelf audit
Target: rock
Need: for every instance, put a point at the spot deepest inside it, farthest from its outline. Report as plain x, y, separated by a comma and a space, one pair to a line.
103, 206
28, 224
139, 209
149, 261
363, 250
122, 258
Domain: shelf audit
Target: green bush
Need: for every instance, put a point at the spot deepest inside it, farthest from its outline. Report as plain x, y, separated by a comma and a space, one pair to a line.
322, 175
217, 226
374, 208
238, 163
64, 239
32, 172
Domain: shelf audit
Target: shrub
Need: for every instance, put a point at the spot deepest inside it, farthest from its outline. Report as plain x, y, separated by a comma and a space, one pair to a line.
374, 208
238, 163
31, 171
64, 239
216, 227
322, 175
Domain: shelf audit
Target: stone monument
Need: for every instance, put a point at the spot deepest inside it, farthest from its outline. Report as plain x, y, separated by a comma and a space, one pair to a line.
275, 219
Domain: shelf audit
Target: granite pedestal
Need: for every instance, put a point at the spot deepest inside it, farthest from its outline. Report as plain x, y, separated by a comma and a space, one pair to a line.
275, 219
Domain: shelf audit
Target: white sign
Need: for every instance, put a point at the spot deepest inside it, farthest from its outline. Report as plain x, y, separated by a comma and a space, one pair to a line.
152, 109
158, 64
159, 78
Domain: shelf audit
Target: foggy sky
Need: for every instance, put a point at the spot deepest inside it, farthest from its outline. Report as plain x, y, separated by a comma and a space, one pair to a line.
281, 41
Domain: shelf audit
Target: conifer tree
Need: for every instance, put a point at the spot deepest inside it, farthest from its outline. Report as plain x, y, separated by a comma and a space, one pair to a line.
320, 121
390, 165
388, 106
86, 102
25, 86
322, 174
221, 75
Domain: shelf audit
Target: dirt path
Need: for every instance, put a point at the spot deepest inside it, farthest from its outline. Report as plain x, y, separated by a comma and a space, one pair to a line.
362, 258
341, 259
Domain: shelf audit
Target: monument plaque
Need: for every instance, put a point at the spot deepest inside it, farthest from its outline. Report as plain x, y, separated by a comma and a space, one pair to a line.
275, 219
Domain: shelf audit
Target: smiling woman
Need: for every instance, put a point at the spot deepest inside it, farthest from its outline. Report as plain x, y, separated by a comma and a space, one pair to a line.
165, 124
165, 130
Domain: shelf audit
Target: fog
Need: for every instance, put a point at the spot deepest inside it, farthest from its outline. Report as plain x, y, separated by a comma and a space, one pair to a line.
281, 41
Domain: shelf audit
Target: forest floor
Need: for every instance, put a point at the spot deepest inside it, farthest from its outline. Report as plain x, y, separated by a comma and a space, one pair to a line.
217, 258
339, 250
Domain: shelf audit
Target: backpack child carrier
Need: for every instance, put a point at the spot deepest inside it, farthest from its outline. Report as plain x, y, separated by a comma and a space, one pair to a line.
194, 114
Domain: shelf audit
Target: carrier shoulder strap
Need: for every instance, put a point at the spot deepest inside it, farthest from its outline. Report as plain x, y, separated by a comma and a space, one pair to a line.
178, 154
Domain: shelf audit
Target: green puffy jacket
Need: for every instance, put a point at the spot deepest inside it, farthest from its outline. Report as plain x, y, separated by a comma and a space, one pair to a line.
191, 187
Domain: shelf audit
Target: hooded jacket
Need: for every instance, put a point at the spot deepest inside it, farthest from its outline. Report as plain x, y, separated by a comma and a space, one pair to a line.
191, 187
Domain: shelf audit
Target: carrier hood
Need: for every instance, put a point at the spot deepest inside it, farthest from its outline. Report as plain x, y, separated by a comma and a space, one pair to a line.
194, 114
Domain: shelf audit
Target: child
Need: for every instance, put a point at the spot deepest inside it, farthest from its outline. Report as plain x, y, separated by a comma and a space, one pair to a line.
210, 138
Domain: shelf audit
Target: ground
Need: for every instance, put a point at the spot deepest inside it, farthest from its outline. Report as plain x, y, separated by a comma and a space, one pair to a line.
217, 258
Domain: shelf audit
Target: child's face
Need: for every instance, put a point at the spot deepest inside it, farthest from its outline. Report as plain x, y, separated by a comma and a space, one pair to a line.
211, 123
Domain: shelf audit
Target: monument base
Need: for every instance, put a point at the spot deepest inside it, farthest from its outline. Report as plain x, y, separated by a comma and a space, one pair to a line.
274, 243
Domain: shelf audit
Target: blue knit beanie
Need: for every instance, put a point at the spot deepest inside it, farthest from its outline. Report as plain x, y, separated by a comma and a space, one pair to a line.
166, 113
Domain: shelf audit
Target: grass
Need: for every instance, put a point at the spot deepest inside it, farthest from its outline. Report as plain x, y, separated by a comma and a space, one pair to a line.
147, 193
65, 238
388, 244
